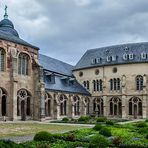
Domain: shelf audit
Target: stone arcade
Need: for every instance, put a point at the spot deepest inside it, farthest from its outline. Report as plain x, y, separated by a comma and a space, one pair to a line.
110, 81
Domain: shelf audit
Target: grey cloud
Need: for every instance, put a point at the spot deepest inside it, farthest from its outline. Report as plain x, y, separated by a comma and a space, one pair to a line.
65, 29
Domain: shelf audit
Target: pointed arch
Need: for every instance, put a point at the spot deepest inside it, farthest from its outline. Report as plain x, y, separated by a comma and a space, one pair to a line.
98, 106
115, 106
48, 99
63, 104
135, 107
76, 101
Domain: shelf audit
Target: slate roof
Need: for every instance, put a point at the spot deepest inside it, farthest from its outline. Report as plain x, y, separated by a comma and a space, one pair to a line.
8, 33
65, 70
59, 85
55, 65
116, 50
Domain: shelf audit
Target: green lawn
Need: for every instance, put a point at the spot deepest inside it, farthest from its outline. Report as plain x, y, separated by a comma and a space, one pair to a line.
21, 129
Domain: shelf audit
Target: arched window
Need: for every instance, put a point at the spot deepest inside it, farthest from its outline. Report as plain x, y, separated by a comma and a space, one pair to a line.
139, 82
87, 103
23, 64
135, 107
115, 107
63, 105
3, 98
28, 107
23, 103
111, 84
48, 104
115, 84
76, 100
98, 106
2, 60
99, 85
94, 84
87, 84
84, 83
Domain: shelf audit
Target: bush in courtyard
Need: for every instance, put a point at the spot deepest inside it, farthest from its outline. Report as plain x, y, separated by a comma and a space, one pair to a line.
146, 120
105, 132
84, 119
8, 144
43, 145
117, 141
43, 136
101, 119
141, 124
65, 119
109, 122
146, 136
98, 141
142, 130
71, 137
97, 127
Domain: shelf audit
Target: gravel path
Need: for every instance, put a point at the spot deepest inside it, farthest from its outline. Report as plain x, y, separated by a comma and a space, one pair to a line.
19, 139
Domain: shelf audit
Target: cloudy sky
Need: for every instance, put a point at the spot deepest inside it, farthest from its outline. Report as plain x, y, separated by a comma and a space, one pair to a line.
65, 29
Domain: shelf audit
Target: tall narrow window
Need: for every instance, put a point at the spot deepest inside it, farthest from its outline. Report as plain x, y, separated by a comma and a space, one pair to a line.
23, 64
118, 84
139, 82
88, 85
2, 60
99, 85
94, 84
111, 84
63, 105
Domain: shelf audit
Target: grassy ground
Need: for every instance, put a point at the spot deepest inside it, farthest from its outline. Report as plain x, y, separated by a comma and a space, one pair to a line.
22, 129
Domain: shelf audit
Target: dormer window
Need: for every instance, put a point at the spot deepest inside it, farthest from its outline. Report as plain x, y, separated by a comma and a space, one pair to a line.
125, 57
131, 56
96, 61
109, 58
143, 56
128, 56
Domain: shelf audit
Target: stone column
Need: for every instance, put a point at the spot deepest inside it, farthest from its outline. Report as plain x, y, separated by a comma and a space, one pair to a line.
124, 107
13, 94
105, 107
144, 107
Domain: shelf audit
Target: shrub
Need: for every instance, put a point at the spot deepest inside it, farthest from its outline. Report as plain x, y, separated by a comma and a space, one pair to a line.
98, 141
146, 136
8, 144
97, 127
146, 120
43, 136
101, 119
65, 119
71, 137
117, 141
141, 124
105, 132
45, 145
109, 122
84, 119
142, 130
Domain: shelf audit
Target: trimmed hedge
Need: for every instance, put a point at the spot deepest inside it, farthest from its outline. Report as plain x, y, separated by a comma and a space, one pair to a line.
101, 119
98, 141
84, 119
44, 136
97, 127
105, 132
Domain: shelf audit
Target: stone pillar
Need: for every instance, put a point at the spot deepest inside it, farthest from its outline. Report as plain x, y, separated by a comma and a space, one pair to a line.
42, 95
144, 107
124, 115
105, 107
13, 94
72, 113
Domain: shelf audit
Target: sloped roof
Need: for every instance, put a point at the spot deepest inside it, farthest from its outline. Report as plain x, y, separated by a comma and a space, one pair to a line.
116, 50
10, 37
55, 65
59, 85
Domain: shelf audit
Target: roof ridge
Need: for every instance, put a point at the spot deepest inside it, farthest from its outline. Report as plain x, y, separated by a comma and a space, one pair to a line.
57, 60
